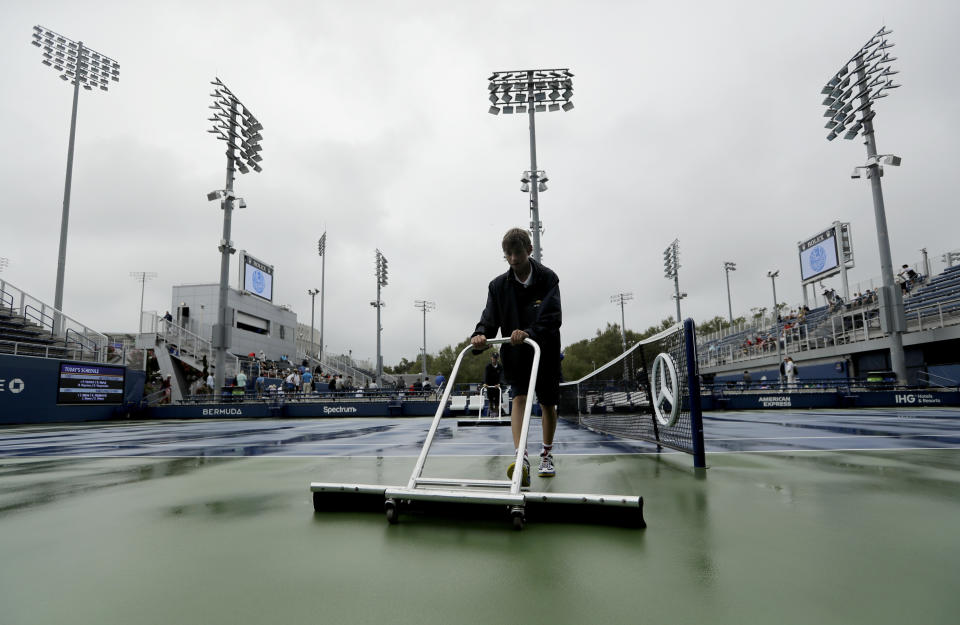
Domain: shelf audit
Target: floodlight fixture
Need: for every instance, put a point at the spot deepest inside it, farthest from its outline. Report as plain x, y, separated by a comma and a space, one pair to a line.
531, 91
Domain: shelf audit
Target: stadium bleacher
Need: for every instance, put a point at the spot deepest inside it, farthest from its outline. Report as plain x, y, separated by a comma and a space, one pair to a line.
936, 299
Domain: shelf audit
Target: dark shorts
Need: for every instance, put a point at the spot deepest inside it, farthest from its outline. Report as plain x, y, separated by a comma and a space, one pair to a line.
517, 362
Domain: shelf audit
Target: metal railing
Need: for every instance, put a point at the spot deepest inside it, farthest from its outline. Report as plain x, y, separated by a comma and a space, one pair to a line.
926, 376
850, 325
184, 342
54, 321
41, 350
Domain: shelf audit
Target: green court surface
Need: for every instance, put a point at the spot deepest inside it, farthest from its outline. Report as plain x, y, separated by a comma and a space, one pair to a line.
801, 537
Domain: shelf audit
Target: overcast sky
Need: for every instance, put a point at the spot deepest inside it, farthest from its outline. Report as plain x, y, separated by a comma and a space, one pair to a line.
698, 121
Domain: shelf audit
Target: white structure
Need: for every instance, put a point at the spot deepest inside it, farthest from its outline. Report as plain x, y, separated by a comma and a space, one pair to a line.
256, 324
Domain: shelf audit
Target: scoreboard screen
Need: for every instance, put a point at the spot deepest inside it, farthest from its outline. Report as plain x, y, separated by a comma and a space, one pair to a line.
90, 383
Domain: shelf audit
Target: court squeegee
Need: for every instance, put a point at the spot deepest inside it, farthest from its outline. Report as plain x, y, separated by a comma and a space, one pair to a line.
476, 497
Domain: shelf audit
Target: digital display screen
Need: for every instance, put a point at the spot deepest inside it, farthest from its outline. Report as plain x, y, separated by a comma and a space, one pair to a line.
819, 258
257, 278
85, 383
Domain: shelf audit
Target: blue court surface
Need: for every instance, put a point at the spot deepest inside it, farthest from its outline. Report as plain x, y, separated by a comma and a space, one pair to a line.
825, 430
834, 516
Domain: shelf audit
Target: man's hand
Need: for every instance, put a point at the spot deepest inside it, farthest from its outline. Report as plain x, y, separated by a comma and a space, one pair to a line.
479, 342
518, 337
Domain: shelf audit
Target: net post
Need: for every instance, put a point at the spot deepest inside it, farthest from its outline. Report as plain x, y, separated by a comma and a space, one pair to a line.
693, 386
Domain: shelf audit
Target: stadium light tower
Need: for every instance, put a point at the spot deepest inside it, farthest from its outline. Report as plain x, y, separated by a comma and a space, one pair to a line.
82, 67
867, 76
727, 268
425, 306
671, 266
142, 277
531, 91
235, 124
773, 281
623, 298
381, 275
322, 250
313, 300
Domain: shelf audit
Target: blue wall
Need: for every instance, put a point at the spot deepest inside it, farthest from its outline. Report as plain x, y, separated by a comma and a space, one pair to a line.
823, 371
28, 393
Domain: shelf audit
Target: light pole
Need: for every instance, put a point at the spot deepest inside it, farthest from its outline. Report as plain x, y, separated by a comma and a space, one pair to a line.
142, 277
671, 266
425, 306
531, 91
773, 281
950, 257
81, 66
866, 77
727, 268
235, 124
381, 275
322, 250
313, 299
623, 298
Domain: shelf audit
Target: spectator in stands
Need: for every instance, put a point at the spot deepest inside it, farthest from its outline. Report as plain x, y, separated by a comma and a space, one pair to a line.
259, 385
439, 380
332, 384
307, 378
290, 382
746, 378
491, 377
790, 371
165, 387
339, 384
263, 356
168, 317
909, 277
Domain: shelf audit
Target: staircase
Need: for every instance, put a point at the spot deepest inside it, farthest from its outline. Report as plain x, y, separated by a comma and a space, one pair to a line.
170, 341
29, 327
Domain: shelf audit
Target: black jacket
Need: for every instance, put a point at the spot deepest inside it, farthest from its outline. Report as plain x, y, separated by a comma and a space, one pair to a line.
492, 374
534, 309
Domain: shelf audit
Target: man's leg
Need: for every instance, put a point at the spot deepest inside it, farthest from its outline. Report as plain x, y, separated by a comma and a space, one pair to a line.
516, 418
549, 422
549, 425
516, 424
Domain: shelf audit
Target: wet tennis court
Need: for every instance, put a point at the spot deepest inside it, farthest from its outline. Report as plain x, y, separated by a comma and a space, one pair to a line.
817, 516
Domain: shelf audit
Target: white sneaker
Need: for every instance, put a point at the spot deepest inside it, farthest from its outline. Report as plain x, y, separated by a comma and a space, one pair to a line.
525, 477
546, 466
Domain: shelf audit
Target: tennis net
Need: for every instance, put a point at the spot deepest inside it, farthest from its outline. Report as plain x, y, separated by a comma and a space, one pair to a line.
654, 397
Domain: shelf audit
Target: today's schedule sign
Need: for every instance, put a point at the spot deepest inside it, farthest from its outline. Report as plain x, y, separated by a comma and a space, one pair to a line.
86, 383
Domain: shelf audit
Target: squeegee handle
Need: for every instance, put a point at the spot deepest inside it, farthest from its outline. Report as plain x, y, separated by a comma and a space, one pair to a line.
448, 387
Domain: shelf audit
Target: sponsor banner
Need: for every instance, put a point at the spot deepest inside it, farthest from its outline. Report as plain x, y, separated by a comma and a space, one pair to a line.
337, 409
856, 399
908, 399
